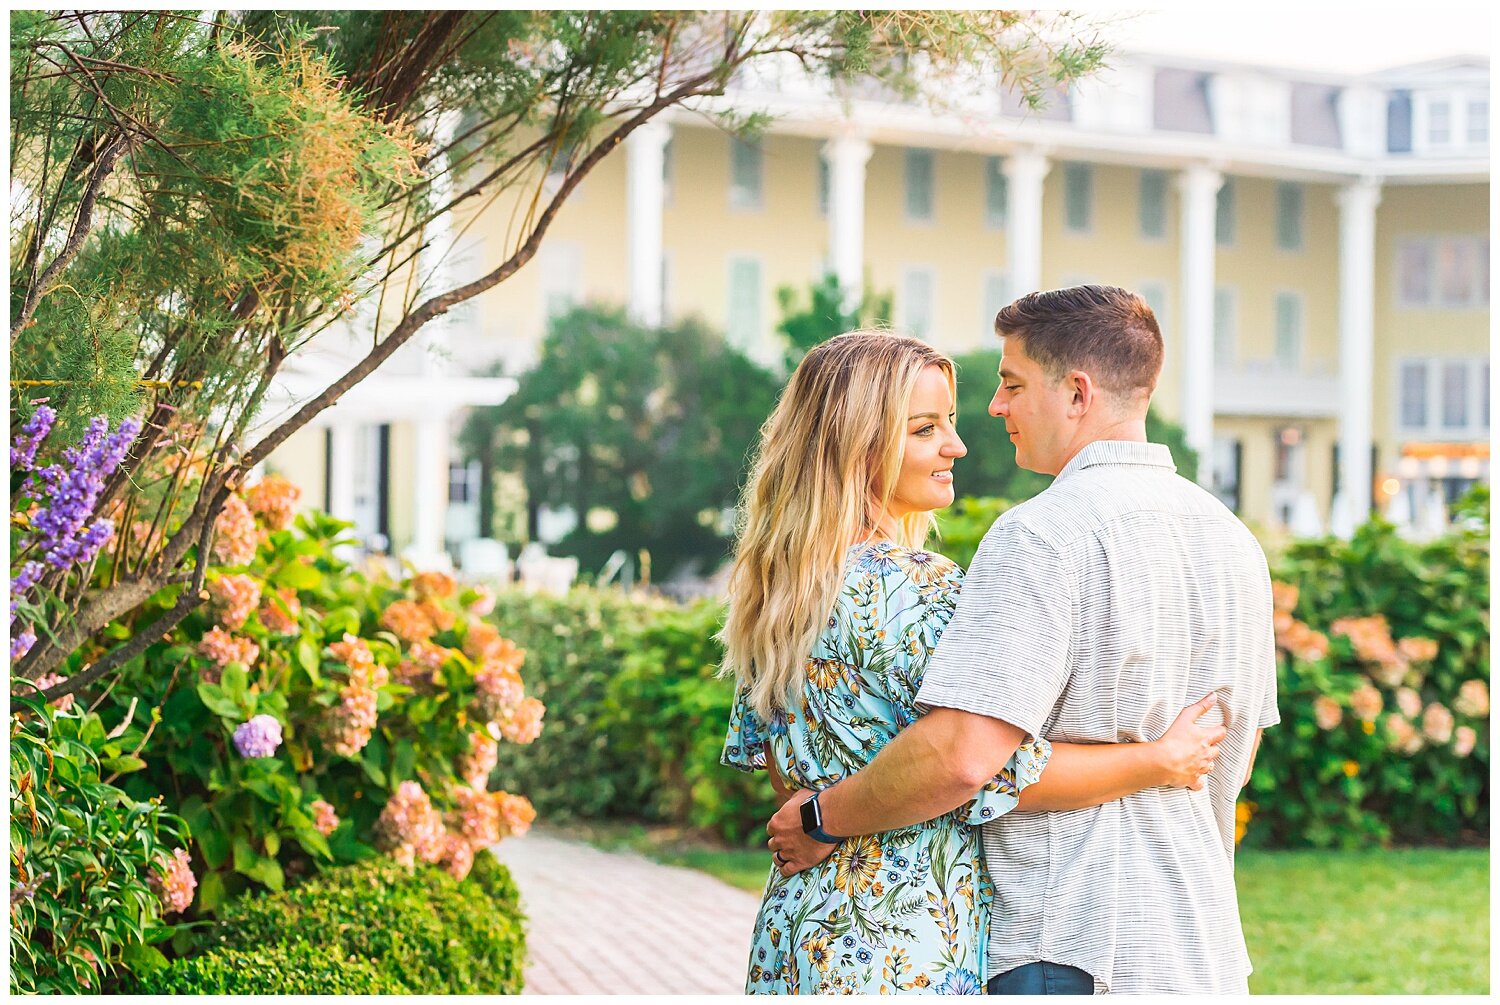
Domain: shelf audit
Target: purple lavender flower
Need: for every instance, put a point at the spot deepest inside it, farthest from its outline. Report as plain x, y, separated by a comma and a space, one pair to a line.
21, 642
23, 448
29, 576
70, 491
259, 737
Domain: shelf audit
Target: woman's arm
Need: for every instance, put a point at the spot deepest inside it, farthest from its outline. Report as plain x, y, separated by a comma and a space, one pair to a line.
783, 791
1088, 774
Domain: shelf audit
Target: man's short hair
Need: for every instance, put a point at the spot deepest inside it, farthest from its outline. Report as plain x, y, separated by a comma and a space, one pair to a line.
1109, 333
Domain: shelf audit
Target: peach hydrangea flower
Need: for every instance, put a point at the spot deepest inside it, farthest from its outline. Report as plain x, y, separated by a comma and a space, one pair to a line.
483, 602
1326, 712
516, 813
174, 882
1437, 723
458, 857
1473, 699
524, 723
280, 613
423, 660
1417, 649
409, 620
433, 585
236, 537
236, 596
1366, 702
1403, 735
325, 818
1464, 739
498, 691
224, 649
410, 827
274, 500
475, 766
1409, 702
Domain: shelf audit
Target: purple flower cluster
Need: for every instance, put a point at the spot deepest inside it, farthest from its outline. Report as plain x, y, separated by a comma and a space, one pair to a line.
23, 447
259, 737
67, 493
21, 643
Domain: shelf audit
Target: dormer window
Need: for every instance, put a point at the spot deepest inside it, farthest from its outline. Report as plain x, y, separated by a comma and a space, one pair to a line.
1479, 121
1439, 123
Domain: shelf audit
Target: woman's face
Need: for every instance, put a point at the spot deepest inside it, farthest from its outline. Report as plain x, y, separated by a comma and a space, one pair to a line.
932, 445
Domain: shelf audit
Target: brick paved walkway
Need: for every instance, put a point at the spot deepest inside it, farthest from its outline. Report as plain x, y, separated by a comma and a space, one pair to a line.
615, 923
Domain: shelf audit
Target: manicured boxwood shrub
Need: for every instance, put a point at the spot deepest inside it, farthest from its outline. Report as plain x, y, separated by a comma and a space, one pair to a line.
373, 928
574, 646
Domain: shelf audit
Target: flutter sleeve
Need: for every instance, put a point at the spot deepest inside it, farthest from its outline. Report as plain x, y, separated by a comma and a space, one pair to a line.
745, 742
1003, 792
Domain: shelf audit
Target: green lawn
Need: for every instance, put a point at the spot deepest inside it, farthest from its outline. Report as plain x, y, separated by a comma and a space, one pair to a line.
1378, 922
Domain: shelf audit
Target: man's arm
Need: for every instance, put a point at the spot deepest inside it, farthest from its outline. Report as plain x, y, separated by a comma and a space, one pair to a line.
934, 765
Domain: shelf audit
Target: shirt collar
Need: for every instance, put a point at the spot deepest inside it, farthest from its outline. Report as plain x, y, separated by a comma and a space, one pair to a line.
1151, 455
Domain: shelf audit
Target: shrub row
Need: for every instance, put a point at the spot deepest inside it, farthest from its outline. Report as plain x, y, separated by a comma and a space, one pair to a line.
373, 928
638, 716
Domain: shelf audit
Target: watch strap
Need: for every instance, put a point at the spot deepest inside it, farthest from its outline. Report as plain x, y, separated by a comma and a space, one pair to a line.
816, 831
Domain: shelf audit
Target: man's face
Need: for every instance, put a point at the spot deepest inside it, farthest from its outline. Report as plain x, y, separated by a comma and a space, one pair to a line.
1035, 410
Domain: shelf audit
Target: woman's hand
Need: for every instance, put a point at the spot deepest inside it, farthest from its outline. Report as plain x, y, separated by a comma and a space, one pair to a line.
1188, 750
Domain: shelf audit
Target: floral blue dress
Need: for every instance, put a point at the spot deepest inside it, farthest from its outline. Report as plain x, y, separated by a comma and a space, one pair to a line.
902, 911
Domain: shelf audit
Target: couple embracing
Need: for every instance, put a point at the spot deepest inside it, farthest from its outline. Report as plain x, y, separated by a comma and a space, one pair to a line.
1021, 780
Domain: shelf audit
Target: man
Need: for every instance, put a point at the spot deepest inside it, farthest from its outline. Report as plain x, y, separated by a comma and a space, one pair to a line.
1091, 613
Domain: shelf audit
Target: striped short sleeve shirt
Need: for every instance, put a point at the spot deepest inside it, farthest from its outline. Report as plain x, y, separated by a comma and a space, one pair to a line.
1094, 613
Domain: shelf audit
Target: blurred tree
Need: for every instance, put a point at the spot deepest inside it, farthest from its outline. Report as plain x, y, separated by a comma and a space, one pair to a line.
194, 200
990, 467
825, 315
643, 432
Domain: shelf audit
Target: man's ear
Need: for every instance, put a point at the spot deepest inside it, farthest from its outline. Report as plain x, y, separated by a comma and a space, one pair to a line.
1083, 390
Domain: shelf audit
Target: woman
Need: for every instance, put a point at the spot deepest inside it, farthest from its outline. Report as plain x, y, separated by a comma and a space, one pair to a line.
834, 609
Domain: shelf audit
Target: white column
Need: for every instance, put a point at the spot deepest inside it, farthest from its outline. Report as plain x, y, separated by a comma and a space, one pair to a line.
1357, 204
342, 443
847, 157
430, 492
645, 195
1199, 186
1025, 170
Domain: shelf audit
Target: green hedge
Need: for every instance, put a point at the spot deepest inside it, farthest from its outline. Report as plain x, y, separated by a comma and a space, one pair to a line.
574, 645
635, 719
373, 928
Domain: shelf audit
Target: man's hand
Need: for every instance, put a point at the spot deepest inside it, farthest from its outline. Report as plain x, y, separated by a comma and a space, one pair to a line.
794, 850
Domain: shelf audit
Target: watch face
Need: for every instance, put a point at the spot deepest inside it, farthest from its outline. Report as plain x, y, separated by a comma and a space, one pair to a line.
811, 818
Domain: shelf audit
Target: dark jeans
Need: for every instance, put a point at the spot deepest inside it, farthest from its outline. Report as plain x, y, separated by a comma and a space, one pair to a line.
1042, 979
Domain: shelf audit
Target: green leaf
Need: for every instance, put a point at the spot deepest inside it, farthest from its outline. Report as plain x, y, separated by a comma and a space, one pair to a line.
216, 701
297, 576
123, 764
236, 684
143, 959
210, 895
309, 660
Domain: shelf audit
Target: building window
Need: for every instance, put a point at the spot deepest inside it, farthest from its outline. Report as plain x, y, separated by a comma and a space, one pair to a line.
1455, 394
463, 482
1457, 269
746, 169
1479, 121
1439, 123
1227, 459
996, 193
1078, 197
1444, 398
561, 265
1414, 394
996, 296
1153, 217
919, 185
1443, 272
1225, 322
916, 302
1289, 330
825, 185
744, 302
1224, 213
1289, 216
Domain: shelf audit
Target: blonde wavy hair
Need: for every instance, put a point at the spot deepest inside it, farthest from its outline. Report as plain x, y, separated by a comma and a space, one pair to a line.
824, 473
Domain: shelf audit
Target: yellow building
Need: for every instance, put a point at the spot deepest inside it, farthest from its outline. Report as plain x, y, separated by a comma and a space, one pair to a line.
1316, 249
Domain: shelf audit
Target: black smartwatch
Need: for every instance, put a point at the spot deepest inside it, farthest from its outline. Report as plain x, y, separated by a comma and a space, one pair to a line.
812, 822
